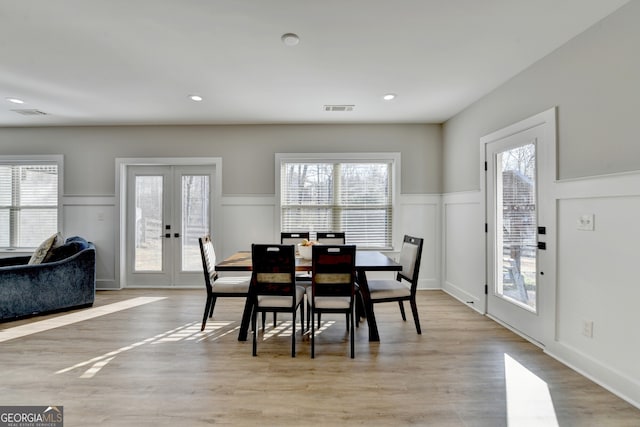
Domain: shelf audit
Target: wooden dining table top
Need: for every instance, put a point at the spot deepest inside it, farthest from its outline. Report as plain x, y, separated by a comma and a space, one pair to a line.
365, 260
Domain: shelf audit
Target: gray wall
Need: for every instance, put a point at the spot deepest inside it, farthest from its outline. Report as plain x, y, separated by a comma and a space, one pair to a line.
594, 80
247, 151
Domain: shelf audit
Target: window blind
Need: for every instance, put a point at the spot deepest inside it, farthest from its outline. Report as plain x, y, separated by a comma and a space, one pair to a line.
28, 204
352, 197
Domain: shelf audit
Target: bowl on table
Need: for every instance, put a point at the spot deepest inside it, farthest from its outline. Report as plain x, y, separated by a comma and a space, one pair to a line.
305, 250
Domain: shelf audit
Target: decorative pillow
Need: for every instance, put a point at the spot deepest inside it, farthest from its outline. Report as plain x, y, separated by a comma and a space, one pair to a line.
41, 252
64, 251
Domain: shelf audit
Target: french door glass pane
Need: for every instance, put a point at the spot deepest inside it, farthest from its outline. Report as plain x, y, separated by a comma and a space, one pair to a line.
195, 219
149, 241
516, 226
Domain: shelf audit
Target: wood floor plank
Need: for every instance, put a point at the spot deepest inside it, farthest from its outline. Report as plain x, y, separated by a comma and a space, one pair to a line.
150, 365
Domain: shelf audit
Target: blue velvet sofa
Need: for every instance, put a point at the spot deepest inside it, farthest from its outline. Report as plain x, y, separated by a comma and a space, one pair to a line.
65, 280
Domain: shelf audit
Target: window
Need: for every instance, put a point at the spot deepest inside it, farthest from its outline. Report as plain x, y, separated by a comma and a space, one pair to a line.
353, 195
29, 200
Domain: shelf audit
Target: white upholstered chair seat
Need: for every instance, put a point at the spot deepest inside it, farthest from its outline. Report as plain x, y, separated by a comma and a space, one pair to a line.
231, 285
280, 300
330, 302
382, 289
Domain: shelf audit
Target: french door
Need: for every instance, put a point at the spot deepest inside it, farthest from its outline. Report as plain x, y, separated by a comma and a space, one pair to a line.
520, 215
168, 208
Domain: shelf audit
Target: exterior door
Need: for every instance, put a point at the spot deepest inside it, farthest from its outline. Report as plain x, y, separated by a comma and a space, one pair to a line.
520, 215
168, 208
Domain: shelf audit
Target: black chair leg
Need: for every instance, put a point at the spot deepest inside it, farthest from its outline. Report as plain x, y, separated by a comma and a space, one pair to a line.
254, 321
301, 319
313, 335
206, 312
414, 309
293, 335
404, 317
264, 319
213, 303
360, 312
275, 319
352, 338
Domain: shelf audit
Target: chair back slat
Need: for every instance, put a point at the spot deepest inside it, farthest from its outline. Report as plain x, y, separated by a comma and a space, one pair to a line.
331, 238
293, 238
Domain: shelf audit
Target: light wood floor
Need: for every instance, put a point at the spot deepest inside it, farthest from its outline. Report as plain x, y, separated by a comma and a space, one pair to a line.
151, 366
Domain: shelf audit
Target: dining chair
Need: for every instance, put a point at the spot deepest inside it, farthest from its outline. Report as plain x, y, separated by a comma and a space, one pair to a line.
397, 290
302, 278
217, 287
331, 238
273, 286
332, 289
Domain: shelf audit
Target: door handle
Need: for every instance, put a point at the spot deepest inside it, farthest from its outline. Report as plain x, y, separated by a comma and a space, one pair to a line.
167, 235
176, 235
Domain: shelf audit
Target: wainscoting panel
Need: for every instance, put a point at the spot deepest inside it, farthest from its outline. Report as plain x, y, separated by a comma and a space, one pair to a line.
93, 217
420, 217
463, 248
597, 281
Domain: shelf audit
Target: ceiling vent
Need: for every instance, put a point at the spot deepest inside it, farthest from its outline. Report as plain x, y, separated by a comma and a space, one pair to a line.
30, 112
339, 107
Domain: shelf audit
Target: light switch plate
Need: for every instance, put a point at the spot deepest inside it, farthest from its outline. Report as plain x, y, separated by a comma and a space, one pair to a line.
585, 222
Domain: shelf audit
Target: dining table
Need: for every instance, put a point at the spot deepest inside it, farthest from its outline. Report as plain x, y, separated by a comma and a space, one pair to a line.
366, 260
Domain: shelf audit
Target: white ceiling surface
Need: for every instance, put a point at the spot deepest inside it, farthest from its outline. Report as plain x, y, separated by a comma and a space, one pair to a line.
112, 62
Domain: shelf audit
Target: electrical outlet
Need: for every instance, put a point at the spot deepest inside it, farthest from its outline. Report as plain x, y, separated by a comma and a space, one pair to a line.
587, 328
585, 222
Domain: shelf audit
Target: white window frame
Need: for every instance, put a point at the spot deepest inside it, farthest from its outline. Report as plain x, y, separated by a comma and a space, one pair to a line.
392, 157
57, 159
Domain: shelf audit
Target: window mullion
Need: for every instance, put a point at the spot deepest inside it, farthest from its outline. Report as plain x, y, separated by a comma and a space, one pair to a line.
14, 213
337, 195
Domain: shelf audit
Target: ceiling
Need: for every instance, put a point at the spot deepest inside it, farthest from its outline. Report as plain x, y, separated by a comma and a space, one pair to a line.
123, 62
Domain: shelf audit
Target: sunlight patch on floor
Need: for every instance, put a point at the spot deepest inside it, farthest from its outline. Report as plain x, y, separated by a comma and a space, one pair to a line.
528, 398
284, 329
68, 319
187, 332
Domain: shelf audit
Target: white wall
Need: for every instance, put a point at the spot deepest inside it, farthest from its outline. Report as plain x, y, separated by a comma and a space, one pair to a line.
593, 80
598, 281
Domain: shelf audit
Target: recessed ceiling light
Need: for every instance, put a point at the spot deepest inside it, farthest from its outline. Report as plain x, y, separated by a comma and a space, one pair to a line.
389, 97
290, 39
15, 100
196, 98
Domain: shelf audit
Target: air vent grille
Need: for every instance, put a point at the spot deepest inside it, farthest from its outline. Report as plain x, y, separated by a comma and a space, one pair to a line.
30, 112
339, 107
